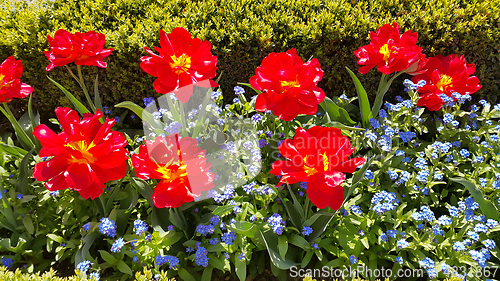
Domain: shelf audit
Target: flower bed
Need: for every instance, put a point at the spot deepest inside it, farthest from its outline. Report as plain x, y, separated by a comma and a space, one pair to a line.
284, 173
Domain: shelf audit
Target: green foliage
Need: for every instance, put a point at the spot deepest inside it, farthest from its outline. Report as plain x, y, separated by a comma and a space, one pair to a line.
242, 33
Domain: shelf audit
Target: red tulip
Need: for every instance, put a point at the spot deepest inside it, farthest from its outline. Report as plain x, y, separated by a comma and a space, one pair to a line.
288, 85
446, 75
84, 156
10, 83
80, 48
390, 52
180, 166
182, 61
320, 157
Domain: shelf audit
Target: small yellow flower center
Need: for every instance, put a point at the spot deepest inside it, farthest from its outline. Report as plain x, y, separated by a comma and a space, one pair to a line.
386, 51
2, 76
291, 84
444, 82
180, 64
83, 148
325, 162
312, 170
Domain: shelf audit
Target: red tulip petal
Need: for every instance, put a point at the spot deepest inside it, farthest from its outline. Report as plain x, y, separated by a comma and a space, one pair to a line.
338, 198
320, 194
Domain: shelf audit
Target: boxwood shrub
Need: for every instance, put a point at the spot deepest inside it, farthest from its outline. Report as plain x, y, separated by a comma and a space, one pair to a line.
242, 33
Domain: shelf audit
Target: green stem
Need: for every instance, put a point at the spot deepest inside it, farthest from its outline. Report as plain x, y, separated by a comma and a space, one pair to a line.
379, 97
183, 218
286, 128
175, 114
306, 209
200, 122
383, 87
183, 117
84, 88
19, 131
100, 206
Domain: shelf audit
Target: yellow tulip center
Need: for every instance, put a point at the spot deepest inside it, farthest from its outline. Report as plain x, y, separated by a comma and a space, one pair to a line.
444, 82
83, 148
171, 171
312, 170
2, 76
292, 84
386, 51
180, 64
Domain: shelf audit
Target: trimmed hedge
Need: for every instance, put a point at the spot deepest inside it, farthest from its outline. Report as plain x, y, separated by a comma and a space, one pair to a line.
242, 33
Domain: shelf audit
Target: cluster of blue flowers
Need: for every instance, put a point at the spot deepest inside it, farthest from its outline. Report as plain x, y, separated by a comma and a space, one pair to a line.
384, 201
107, 227
173, 128
424, 214
428, 170
172, 261
148, 101
228, 237
429, 265
84, 266
117, 245
218, 197
355, 209
140, 227
215, 220
204, 230
7, 262
276, 222
409, 85
201, 256
407, 136
306, 230
215, 95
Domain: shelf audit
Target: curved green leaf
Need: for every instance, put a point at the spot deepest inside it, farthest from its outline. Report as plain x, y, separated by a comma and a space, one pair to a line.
357, 177
12, 150
185, 275
28, 224
132, 106
335, 113
79, 106
321, 221
22, 184
25, 141
240, 268
299, 241
489, 210
108, 257
123, 267
243, 227
207, 273
250, 86
336, 124
88, 240
282, 245
271, 243
364, 103
97, 97
144, 189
